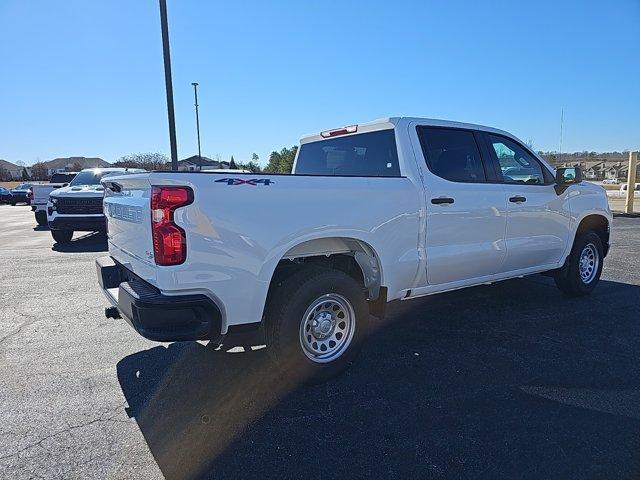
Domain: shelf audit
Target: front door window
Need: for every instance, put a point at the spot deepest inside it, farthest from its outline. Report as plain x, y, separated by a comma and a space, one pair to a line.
516, 164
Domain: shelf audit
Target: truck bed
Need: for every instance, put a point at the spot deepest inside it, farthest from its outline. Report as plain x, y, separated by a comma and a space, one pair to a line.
240, 226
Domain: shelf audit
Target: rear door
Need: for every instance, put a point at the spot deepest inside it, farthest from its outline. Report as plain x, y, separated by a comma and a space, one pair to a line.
537, 216
466, 209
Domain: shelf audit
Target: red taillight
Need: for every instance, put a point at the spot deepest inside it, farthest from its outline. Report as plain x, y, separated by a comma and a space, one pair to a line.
169, 241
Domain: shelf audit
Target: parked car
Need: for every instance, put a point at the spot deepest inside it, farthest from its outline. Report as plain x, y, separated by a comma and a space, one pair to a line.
5, 195
610, 181
624, 187
41, 193
394, 209
78, 207
19, 194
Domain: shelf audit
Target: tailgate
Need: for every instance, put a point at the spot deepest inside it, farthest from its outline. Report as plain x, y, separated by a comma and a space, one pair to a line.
41, 193
128, 211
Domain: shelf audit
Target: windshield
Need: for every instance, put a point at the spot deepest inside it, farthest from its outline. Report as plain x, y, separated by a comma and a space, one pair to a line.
62, 177
23, 186
90, 177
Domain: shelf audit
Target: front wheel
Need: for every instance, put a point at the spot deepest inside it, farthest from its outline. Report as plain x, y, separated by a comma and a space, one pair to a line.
41, 218
62, 236
317, 319
584, 266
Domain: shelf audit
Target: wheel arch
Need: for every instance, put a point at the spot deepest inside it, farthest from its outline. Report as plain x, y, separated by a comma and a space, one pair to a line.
351, 253
598, 223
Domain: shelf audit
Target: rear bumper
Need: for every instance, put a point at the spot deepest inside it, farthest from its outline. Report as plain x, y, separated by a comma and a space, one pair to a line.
159, 317
79, 223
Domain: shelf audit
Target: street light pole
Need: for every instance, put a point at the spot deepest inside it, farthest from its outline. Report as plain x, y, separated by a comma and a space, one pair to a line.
195, 94
168, 84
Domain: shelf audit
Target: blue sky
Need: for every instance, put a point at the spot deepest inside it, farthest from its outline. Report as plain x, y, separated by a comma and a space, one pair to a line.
86, 78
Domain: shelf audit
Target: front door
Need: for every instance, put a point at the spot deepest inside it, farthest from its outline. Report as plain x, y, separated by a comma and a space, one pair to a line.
466, 210
537, 216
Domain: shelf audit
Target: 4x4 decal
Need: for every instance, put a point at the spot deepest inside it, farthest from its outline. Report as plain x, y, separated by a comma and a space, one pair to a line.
240, 181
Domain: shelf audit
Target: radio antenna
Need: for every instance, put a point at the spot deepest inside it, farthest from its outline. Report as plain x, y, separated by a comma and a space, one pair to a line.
561, 125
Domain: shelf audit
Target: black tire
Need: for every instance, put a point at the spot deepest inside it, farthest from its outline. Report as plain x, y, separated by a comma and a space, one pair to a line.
41, 218
13, 204
569, 279
286, 319
62, 236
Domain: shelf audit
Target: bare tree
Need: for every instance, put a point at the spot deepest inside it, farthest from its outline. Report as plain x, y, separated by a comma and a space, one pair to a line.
39, 171
148, 161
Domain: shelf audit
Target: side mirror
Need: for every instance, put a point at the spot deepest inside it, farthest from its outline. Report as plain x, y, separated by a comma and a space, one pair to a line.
566, 176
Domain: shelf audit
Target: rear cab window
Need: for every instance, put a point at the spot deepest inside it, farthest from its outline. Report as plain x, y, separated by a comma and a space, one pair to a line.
371, 154
62, 177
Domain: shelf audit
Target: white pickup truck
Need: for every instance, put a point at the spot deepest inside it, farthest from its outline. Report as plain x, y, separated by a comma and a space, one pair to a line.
41, 193
78, 206
394, 209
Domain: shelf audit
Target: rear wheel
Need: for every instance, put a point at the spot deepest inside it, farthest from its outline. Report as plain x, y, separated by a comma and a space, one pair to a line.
62, 236
584, 266
41, 218
316, 321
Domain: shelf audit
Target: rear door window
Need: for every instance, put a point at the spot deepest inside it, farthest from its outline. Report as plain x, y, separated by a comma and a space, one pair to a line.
372, 154
452, 154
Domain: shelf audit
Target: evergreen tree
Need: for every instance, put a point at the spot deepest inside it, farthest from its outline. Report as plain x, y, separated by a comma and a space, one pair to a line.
282, 161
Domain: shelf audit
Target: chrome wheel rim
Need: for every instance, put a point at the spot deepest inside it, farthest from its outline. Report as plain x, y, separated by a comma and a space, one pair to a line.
327, 328
589, 263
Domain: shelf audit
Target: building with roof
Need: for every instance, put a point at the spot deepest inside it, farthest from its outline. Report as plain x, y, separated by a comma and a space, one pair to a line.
195, 164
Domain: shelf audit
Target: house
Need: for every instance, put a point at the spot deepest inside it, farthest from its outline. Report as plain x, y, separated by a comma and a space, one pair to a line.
15, 171
74, 164
617, 171
195, 164
594, 170
600, 169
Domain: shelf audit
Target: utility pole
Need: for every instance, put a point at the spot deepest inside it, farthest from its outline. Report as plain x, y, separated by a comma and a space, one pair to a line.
195, 94
631, 182
168, 84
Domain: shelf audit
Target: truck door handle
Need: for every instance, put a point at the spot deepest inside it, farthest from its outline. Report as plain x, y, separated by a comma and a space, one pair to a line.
518, 199
441, 200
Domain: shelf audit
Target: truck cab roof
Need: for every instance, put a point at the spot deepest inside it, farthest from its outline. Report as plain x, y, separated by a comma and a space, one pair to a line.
391, 122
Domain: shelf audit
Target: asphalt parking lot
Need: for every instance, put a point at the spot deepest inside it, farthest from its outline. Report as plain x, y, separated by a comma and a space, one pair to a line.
503, 381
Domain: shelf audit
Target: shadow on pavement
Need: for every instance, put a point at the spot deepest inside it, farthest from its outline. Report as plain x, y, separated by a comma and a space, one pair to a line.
503, 381
40, 228
92, 242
